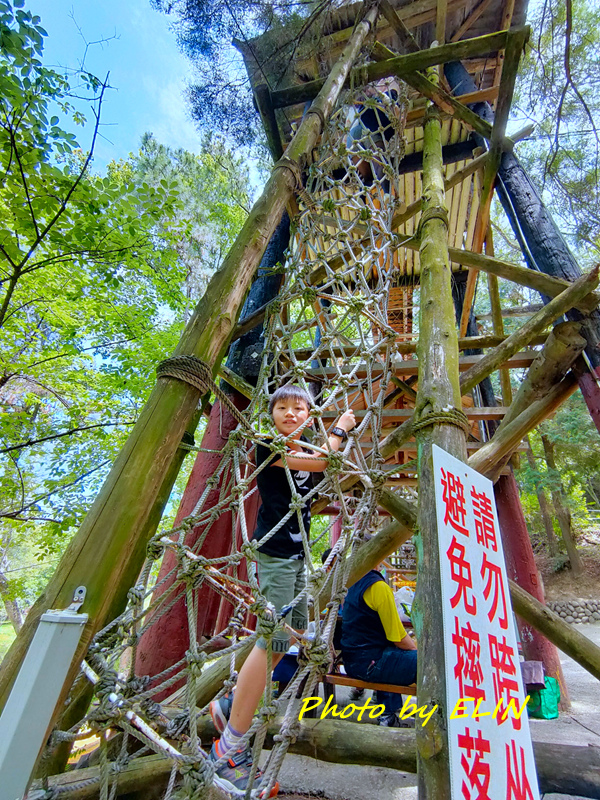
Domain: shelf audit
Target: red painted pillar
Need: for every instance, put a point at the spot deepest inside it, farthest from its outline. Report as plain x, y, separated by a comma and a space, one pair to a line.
336, 528
521, 568
167, 640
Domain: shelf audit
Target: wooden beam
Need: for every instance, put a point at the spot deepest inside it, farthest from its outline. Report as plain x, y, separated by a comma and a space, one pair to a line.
445, 101
497, 321
236, 381
440, 21
482, 45
401, 414
417, 112
517, 311
521, 275
449, 104
411, 366
262, 96
471, 19
561, 768
507, 15
490, 458
406, 38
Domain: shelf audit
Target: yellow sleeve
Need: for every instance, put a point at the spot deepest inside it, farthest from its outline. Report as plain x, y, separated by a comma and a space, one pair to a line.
380, 598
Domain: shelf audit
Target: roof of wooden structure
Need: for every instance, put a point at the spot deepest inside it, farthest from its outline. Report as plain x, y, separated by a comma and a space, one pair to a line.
464, 19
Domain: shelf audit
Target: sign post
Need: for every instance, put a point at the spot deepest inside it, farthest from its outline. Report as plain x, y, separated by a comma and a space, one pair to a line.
491, 757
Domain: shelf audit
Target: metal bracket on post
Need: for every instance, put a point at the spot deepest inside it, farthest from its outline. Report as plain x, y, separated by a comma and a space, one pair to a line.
29, 708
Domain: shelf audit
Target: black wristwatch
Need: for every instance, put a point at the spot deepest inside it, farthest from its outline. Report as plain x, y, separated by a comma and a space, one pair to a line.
339, 432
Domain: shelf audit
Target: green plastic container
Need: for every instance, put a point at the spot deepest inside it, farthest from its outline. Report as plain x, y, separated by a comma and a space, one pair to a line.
544, 704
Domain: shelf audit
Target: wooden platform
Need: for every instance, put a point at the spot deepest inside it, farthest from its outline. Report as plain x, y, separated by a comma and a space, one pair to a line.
346, 680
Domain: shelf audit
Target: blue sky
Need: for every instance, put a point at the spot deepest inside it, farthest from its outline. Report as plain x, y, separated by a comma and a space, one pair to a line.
147, 70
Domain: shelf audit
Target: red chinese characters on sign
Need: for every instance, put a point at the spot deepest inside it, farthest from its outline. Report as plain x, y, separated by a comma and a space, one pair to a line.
483, 512
467, 669
460, 571
474, 765
504, 672
517, 782
492, 575
454, 502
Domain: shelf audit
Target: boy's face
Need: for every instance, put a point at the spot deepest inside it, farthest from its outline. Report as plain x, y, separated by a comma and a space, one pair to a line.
289, 414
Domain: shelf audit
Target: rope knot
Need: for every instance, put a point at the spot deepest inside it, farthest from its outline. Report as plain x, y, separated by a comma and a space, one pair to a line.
136, 595
250, 550
447, 416
335, 462
195, 662
154, 549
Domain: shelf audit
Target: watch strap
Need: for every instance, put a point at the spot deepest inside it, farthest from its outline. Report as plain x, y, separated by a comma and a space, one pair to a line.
339, 432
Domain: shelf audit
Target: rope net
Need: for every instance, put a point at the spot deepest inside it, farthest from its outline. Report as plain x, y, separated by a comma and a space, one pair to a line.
329, 333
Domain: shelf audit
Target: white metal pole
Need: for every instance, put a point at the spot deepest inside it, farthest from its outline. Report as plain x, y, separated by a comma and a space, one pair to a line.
34, 695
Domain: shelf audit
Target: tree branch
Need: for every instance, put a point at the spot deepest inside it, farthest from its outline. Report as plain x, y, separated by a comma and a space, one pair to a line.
31, 442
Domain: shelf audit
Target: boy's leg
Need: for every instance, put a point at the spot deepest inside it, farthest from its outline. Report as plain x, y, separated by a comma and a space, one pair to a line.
250, 687
277, 580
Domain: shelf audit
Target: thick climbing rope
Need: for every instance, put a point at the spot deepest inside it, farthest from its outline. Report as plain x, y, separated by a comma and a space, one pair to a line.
330, 336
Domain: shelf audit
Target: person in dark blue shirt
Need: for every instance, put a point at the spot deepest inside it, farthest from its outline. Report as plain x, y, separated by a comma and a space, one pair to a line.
375, 645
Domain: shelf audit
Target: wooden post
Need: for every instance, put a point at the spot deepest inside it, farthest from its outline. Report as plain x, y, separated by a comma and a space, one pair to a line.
438, 390
106, 554
166, 641
497, 320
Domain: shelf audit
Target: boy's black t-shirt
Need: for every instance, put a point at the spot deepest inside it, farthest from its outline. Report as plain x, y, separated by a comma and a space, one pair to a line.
276, 495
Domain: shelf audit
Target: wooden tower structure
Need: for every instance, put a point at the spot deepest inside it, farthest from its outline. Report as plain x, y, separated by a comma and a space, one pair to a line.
459, 61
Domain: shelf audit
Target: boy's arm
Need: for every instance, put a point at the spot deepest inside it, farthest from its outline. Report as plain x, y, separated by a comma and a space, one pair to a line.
317, 463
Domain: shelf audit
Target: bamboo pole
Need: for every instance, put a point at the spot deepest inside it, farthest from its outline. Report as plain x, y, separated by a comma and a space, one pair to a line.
107, 551
563, 346
438, 390
534, 326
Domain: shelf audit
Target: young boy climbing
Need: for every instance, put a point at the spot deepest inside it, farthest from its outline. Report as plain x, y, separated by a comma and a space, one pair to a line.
281, 575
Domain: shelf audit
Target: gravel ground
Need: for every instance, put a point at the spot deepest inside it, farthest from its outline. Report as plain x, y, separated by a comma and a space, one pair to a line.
302, 777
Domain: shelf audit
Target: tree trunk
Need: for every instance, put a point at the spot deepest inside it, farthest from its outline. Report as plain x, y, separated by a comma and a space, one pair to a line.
438, 390
544, 509
562, 511
11, 606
